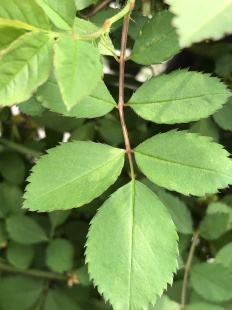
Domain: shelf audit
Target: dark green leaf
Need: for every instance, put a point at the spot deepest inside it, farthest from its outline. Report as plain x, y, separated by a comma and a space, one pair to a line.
12, 167
20, 255
8, 35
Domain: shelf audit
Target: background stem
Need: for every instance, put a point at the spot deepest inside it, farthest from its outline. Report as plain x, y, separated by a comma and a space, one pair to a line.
97, 9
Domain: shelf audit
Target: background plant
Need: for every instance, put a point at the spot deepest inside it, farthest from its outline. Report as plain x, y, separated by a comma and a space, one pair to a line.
132, 242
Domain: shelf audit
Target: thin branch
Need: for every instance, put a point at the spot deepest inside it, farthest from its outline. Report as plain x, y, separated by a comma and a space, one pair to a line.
121, 87
97, 9
187, 268
34, 273
20, 148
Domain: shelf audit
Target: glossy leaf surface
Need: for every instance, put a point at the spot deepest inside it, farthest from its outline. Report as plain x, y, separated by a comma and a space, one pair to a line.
142, 258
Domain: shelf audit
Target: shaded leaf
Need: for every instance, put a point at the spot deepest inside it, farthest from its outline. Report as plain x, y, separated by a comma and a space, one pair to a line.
59, 217
77, 68
223, 117
213, 19
224, 256
81, 4
12, 167
8, 35
206, 127
179, 97
214, 225
57, 300
20, 255
203, 306
212, 281
24, 230
142, 261
157, 40
11, 199
71, 175
59, 255
185, 162
164, 303
31, 107
32, 57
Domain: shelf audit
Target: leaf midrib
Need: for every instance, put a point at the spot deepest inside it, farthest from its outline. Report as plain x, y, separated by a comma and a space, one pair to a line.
174, 99
75, 180
182, 164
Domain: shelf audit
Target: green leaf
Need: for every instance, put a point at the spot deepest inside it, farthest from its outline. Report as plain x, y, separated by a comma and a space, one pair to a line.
81, 4
11, 199
176, 207
213, 20
206, 127
97, 104
9, 35
77, 68
164, 303
61, 13
25, 230
59, 255
20, 255
223, 117
3, 233
26, 11
57, 300
59, 217
185, 162
157, 40
212, 281
203, 306
31, 107
12, 167
142, 260
223, 66
111, 130
136, 24
214, 225
224, 256
83, 133
179, 97
71, 175
219, 207
32, 58
18, 292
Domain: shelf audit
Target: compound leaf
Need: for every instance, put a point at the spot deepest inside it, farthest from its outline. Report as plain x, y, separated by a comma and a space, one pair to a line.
60, 254
71, 175
179, 97
18, 292
61, 13
157, 40
26, 11
213, 19
77, 68
31, 55
212, 281
25, 230
20, 255
185, 162
142, 259
97, 104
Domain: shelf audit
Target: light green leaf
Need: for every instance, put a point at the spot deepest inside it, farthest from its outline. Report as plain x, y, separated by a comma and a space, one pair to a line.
212, 281
32, 57
185, 162
176, 207
81, 4
18, 292
157, 40
26, 11
97, 104
179, 97
25, 230
77, 68
12, 167
142, 261
8, 35
59, 255
219, 207
164, 303
71, 175
20, 255
31, 107
224, 256
61, 13
213, 19
59, 217
57, 300
224, 116
11, 199
203, 306
206, 127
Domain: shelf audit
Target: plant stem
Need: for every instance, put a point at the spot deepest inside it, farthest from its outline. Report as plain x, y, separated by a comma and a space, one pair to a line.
20, 148
187, 268
97, 9
34, 272
121, 87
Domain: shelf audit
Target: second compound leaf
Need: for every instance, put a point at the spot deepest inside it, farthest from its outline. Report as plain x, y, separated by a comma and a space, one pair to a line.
142, 258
